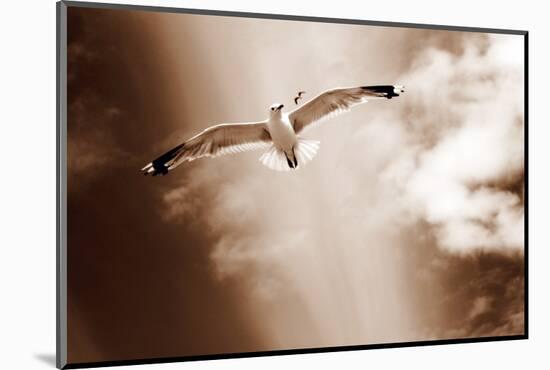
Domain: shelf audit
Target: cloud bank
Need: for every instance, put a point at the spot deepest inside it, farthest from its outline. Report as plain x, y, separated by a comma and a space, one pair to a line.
331, 242
463, 178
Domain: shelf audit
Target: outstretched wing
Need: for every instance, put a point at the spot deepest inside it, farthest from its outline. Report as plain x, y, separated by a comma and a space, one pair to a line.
335, 101
221, 139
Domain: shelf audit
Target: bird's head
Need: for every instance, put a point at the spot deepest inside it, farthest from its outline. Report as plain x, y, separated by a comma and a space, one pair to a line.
276, 109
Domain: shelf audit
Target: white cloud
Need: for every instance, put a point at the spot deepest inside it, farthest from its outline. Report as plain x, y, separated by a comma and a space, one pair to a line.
482, 144
329, 242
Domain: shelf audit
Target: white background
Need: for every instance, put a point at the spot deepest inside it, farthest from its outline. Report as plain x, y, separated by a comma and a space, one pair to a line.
27, 196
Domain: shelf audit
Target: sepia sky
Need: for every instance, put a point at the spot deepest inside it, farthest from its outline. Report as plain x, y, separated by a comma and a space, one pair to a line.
408, 225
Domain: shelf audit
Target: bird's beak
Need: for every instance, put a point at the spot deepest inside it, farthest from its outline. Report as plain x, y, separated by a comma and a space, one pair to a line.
280, 107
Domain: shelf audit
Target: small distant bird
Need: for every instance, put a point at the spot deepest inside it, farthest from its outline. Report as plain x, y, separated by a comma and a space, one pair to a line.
298, 97
279, 133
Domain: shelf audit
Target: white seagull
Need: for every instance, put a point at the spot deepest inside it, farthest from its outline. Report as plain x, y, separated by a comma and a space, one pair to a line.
279, 133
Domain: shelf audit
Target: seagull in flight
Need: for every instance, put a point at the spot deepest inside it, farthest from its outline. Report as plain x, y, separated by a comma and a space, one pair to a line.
280, 134
298, 97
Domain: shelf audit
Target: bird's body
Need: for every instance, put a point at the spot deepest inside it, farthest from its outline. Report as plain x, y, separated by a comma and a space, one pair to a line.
280, 133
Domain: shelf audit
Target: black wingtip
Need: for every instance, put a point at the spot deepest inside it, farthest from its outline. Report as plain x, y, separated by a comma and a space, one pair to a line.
385, 91
160, 170
158, 166
155, 169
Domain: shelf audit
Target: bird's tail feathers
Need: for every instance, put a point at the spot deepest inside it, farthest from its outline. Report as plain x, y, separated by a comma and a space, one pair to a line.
275, 159
304, 151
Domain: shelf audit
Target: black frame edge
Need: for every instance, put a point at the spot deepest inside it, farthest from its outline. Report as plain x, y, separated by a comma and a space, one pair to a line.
289, 17
61, 141
292, 352
526, 184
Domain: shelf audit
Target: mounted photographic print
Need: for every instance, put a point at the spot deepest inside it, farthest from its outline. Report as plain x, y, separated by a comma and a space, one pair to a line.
237, 184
